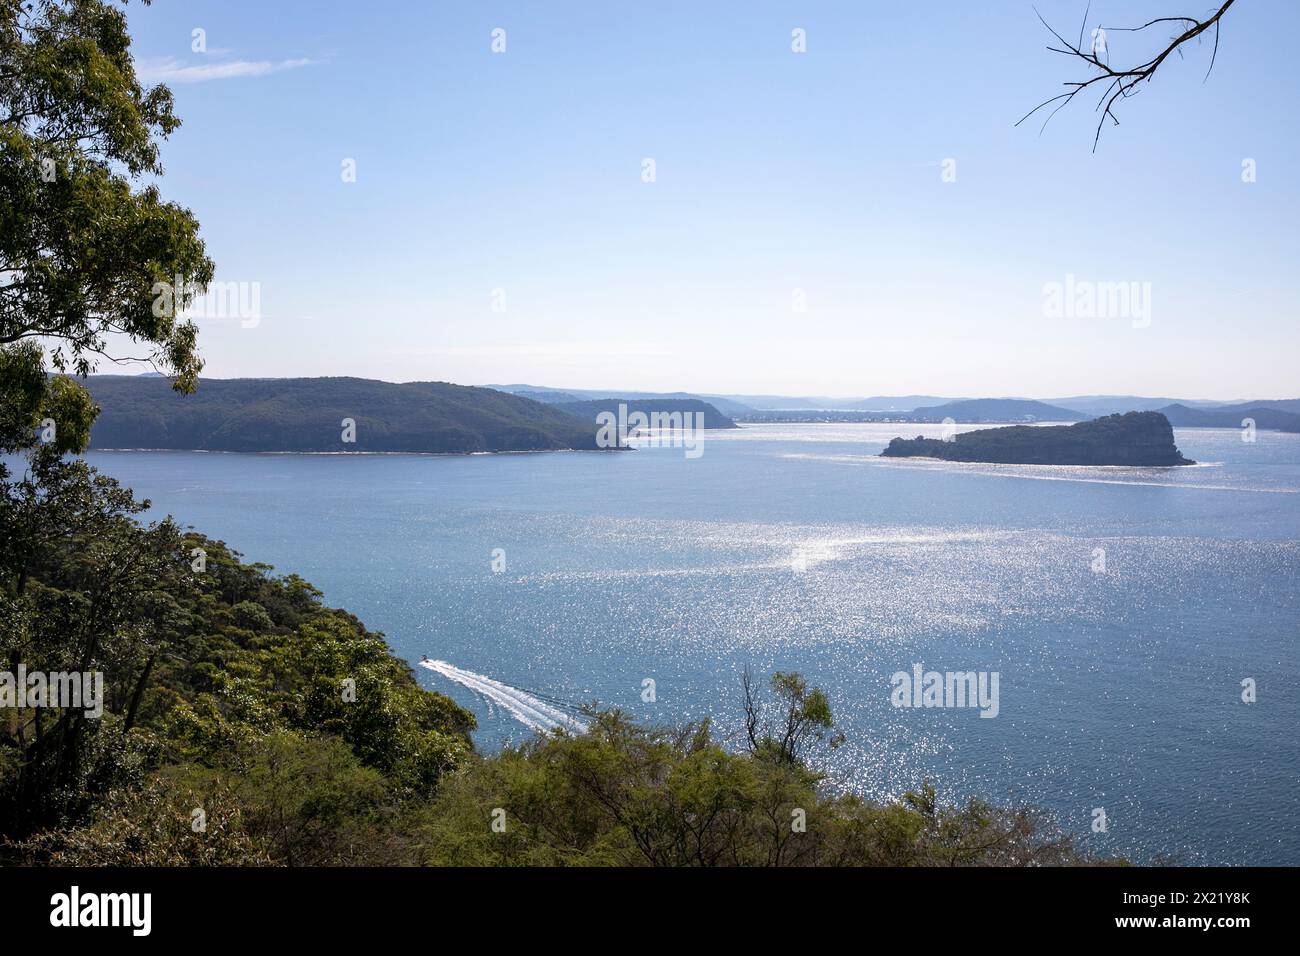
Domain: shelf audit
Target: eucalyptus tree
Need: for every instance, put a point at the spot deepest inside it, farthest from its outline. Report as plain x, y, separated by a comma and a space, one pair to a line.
87, 243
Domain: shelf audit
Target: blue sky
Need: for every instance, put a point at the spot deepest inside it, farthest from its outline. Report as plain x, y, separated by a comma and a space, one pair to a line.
775, 171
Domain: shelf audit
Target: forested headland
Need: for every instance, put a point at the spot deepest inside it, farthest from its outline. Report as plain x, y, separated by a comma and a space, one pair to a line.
337, 414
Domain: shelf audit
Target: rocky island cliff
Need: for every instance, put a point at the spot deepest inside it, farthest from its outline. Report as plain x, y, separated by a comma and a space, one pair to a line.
1135, 438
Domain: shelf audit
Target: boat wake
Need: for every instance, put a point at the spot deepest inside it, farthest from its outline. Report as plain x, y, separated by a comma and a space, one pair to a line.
527, 708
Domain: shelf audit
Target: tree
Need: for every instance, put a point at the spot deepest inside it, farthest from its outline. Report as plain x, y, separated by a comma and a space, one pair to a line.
1120, 82
83, 588
86, 248
804, 718
199, 668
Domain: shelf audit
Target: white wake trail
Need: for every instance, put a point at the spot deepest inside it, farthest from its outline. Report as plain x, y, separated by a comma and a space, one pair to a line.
524, 707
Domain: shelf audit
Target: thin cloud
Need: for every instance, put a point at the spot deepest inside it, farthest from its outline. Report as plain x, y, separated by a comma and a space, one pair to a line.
172, 70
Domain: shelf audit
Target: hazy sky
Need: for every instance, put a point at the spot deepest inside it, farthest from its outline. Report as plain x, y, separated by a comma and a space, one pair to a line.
486, 179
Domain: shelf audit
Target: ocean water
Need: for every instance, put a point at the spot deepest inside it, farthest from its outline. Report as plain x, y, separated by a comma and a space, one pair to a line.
793, 547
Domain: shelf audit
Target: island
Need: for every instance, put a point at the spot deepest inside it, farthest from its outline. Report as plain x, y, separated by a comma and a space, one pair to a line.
1134, 438
977, 410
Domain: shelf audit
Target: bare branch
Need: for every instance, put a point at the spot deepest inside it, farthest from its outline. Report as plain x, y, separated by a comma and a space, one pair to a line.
1121, 83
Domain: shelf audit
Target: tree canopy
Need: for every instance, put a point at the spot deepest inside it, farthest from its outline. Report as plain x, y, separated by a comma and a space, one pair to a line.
86, 240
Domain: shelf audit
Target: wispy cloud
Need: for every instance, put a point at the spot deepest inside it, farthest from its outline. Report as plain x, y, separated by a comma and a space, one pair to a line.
172, 70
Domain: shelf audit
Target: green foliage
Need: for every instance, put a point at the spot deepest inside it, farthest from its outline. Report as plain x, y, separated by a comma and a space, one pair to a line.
22, 392
228, 671
29, 397
69, 407
803, 719
302, 800
251, 616
629, 795
392, 725
83, 246
152, 825
308, 801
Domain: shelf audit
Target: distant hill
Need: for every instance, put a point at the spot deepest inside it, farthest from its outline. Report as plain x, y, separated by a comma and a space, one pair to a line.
519, 387
996, 410
817, 415
926, 408
588, 411
770, 402
1137, 438
878, 403
306, 414
548, 397
1231, 416
898, 403
557, 395
966, 410
1280, 404
1092, 406
724, 405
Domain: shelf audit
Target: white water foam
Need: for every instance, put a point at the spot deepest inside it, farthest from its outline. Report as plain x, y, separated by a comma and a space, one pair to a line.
521, 705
